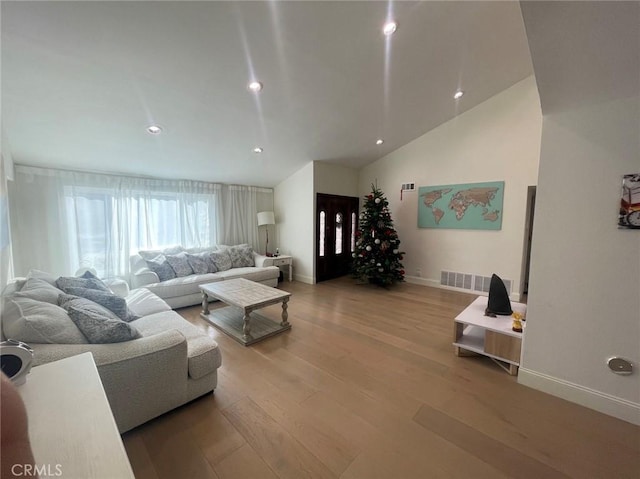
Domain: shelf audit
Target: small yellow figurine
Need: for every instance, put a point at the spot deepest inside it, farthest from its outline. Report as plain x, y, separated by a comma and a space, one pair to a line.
517, 325
517, 322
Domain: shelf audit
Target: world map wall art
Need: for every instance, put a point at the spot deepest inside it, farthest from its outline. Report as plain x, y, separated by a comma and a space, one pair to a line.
471, 206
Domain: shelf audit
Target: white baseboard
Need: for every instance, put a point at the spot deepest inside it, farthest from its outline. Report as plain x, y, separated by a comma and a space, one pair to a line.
604, 403
515, 296
303, 278
422, 281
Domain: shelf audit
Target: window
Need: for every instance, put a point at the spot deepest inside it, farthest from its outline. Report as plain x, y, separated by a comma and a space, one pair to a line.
105, 222
338, 233
322, 238
353, 232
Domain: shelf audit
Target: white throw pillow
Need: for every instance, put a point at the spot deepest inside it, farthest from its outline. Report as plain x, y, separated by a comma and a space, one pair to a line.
37, 274
34, 321
39, 290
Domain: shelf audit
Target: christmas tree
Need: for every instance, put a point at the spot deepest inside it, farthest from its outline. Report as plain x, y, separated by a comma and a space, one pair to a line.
377, 255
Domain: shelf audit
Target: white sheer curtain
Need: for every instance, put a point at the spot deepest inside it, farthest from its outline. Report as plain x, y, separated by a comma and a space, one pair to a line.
6, 267
238, 213
62, 220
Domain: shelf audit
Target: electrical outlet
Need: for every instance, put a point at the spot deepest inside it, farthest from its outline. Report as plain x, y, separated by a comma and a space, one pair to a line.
418, 272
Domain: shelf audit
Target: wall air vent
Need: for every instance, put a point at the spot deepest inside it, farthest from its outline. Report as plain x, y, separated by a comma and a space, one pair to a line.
472, 282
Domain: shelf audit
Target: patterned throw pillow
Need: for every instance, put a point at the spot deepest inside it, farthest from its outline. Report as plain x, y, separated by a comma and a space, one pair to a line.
39, 290
221, 259
180, 264
241, 256
85, 281
201, 263
113, 303
160, 267
97, 323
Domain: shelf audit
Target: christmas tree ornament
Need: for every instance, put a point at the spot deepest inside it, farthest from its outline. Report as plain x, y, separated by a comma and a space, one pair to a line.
368, 248
377, 201
377, 241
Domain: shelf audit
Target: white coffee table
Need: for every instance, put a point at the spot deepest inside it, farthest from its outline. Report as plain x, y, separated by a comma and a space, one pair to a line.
239, 320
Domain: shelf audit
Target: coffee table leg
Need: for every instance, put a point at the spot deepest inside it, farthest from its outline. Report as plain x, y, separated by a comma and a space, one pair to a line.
205, 303
246, 326
285, 314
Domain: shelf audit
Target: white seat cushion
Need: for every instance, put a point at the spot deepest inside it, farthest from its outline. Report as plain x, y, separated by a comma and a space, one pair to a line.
251, 273
202, 351
182, 286
143, 302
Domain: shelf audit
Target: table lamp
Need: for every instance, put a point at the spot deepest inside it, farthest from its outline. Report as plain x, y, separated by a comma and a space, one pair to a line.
266, 218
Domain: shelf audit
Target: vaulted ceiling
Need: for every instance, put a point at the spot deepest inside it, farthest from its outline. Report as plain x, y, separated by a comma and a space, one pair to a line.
81, 81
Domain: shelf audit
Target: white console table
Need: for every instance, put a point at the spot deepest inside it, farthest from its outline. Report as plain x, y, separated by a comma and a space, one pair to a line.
492, 337
71, 427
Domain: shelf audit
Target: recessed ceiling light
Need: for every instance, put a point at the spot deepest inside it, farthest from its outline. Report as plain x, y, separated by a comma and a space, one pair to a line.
379, 141
255, 86
257, 149
154, 129
458, 95
389, 28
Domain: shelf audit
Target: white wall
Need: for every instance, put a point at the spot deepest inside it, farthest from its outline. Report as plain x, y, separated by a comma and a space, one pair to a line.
584, 294
294, 209
497, 140
335, 179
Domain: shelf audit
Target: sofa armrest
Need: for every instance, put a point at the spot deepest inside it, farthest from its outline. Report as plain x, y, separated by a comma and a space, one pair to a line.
261, 260
143, 277
142, 378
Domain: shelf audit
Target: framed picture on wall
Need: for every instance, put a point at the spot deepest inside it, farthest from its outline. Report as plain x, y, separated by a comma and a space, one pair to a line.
472, 206
629, 213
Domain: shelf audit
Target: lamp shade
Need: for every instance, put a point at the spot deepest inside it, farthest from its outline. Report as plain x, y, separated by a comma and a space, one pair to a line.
266, 218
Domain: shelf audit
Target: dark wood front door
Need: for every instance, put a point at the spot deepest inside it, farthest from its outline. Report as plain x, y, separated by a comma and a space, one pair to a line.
336, 224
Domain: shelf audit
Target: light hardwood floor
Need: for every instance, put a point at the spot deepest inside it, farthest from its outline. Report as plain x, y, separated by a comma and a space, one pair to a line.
366, 385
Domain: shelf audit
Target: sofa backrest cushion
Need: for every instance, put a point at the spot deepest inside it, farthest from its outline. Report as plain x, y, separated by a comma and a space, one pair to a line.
201, 249
222, 260
96, 322
33, 321
241, 256
153, 253
40, 290
180, 264
201, 263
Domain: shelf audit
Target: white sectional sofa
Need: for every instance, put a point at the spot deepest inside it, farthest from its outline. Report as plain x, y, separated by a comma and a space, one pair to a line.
184, 291
170, 363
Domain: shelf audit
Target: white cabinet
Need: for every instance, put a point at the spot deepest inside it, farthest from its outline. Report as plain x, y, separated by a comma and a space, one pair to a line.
492, 337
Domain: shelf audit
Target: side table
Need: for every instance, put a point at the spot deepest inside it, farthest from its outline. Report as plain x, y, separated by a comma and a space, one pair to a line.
71, 427
492, 337
283, 260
